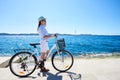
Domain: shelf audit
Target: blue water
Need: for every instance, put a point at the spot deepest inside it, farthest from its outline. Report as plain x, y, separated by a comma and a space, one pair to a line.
79, 44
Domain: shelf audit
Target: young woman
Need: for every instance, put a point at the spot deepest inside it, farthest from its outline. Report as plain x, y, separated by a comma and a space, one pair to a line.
44, 36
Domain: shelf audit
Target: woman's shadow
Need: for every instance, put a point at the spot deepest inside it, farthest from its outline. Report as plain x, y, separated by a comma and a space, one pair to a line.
71, 75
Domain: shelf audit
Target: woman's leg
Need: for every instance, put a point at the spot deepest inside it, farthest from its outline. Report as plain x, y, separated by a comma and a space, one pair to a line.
42, 63
46, 54
42, 57
43, 50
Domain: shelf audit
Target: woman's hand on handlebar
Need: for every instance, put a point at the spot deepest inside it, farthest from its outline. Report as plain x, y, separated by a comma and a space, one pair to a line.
55, 35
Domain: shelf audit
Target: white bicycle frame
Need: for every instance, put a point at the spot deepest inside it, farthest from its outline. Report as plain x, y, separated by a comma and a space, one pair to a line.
53, 47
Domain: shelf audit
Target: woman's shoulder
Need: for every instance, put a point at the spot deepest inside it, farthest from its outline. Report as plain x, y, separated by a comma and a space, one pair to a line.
41, 28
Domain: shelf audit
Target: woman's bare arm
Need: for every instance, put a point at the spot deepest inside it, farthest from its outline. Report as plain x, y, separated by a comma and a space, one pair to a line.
48, 36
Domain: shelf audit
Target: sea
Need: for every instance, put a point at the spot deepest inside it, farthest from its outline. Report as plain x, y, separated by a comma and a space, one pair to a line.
76, 44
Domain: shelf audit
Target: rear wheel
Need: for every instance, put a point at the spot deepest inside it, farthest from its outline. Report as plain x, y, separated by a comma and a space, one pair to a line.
23, 64
62, 61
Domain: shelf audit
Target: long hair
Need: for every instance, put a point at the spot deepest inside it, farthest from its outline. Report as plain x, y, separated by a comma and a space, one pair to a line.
39, 25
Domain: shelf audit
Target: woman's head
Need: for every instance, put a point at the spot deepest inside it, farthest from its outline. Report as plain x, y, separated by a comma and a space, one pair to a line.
41, 21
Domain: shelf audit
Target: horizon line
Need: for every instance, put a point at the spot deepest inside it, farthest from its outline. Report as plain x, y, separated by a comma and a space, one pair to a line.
57, 33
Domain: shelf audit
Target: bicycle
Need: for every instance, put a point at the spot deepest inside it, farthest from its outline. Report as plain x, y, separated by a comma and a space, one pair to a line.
24, 63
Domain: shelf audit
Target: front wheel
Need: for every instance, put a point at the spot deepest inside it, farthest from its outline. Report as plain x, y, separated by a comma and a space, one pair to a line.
62, 61
23, 64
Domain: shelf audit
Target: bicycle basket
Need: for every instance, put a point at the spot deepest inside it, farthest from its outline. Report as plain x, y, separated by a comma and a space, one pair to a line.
61, 44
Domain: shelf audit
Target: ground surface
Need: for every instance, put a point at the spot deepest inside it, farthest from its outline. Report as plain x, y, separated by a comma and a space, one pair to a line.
83, 69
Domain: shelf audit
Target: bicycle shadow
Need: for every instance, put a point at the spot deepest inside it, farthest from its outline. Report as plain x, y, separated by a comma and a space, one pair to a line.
29, 77
50, 76
57, 76
74, 76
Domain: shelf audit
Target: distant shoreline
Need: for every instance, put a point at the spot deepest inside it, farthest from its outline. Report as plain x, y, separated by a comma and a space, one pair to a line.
58, 34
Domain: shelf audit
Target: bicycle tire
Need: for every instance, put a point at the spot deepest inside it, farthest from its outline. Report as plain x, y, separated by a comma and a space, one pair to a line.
12, 58
53, 64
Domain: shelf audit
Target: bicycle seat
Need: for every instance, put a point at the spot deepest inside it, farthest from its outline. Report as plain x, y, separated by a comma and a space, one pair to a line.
34, 44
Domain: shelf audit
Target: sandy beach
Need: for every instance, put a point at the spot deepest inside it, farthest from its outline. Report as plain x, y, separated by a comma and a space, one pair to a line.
83, 69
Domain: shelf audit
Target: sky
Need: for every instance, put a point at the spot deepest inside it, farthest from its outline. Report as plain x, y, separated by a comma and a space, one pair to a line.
100, 17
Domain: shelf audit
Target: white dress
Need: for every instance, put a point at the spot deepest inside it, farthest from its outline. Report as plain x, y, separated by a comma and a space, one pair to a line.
43, 41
